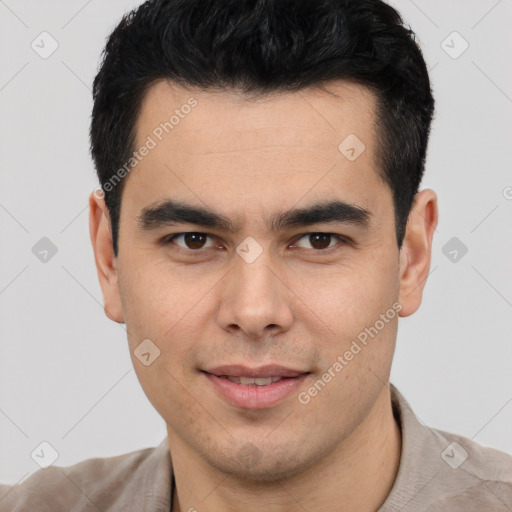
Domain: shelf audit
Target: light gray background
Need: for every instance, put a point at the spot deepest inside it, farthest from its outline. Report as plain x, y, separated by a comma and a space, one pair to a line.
65, 372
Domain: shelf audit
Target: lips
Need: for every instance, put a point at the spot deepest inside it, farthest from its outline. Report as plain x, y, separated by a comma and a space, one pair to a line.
262, 372
255, 392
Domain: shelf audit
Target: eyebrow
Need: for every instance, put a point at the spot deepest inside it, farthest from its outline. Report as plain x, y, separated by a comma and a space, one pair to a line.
171, 212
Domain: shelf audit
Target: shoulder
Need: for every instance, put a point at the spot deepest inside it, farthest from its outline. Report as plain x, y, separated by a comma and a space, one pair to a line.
92, 484
443, 471
480, 477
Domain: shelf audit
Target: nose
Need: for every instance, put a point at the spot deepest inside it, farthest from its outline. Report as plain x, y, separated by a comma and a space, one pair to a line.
255, 299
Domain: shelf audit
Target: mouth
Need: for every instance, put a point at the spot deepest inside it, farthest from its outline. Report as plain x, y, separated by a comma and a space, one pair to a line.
267, 371
249, 381
256, 388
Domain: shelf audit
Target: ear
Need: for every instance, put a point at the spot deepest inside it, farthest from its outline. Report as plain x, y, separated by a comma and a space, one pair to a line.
106, 262
416, 250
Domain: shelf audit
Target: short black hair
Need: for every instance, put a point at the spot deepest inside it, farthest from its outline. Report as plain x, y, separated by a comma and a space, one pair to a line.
263, 47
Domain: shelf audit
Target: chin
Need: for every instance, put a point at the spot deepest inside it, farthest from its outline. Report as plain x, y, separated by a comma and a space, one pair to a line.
251, 464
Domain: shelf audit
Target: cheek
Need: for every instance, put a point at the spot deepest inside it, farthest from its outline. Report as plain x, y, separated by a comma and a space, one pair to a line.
359, 305
161, 307
351, 295
156, 297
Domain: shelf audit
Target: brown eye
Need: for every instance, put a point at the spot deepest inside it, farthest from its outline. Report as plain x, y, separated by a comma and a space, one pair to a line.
192, 241
320, 241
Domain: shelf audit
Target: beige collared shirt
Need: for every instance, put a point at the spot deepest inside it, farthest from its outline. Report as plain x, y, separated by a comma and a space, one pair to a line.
438, 472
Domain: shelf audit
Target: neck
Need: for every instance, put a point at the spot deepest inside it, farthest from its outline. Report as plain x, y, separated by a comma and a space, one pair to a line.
356, 476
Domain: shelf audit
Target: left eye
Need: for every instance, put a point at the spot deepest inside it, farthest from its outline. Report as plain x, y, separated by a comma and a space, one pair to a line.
321, 239
194, 242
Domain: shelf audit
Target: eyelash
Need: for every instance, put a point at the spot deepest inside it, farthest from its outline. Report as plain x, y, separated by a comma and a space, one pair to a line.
342, 241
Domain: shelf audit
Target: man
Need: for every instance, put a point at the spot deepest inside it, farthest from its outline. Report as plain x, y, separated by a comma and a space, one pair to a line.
259, 230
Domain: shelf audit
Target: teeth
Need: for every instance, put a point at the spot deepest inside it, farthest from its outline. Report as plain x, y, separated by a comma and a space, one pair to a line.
259, 381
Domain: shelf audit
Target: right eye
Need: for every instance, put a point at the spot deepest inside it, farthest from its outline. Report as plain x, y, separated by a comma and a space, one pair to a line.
192, 241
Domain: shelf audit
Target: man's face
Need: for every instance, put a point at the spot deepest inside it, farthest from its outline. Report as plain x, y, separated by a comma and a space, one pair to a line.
300, 303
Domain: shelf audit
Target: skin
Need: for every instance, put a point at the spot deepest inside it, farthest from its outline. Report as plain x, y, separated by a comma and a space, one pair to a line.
293, 306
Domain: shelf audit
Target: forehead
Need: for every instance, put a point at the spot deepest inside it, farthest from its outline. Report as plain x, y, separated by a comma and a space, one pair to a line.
223, 145
318, 117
